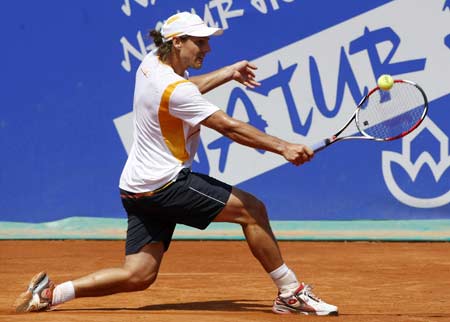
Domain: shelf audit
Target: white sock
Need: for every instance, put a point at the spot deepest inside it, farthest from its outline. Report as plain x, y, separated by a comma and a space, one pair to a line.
285, 279
62, 293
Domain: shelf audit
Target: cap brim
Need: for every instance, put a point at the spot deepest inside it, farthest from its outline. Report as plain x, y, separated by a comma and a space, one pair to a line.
205, 32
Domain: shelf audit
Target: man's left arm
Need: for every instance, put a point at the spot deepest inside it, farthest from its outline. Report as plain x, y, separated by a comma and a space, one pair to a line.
242, 72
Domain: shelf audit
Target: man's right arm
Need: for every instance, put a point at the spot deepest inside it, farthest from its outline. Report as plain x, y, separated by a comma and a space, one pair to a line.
248, 135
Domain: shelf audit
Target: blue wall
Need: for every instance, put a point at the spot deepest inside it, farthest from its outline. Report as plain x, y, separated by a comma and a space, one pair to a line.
67, 84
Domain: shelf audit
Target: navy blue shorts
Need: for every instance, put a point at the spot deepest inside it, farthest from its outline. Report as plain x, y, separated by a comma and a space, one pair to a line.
194, 200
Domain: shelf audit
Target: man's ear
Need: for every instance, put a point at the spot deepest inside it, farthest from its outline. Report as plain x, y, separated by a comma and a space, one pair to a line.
176, 43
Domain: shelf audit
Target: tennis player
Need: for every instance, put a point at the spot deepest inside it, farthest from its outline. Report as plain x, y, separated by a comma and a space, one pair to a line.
158, 188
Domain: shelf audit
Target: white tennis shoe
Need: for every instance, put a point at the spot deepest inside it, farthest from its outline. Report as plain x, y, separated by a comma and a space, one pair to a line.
302, 301
38, 296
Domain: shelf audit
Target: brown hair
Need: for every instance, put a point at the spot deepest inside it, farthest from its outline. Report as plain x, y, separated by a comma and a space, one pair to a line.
164, 48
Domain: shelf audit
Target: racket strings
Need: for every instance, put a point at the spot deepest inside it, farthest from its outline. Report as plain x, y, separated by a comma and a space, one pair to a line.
390, 114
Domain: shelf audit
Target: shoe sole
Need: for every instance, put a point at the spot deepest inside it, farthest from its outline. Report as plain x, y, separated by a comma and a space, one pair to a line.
287, 310
22, 303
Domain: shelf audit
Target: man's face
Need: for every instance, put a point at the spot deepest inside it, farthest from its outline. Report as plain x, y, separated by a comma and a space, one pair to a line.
194, 50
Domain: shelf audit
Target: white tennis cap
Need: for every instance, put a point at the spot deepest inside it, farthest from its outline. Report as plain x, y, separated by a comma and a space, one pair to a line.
186, 23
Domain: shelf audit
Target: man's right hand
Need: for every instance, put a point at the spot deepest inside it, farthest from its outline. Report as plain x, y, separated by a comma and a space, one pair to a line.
297, 154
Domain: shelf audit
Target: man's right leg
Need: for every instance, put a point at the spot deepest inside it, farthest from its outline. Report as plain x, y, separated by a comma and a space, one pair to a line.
244, 209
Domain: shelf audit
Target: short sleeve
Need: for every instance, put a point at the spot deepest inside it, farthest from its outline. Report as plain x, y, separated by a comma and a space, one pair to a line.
189, 105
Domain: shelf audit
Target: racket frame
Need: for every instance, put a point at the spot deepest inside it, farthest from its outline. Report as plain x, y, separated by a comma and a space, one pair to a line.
364, 136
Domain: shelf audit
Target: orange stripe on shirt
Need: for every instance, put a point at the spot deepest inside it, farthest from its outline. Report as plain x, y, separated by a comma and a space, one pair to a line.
172, 127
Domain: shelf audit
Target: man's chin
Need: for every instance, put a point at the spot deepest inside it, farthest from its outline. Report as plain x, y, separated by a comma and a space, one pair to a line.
197, 65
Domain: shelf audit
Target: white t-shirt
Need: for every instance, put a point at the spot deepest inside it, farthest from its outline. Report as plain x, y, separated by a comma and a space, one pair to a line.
167, 112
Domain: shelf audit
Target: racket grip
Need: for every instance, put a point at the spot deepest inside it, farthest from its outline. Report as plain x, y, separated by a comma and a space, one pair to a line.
319, 146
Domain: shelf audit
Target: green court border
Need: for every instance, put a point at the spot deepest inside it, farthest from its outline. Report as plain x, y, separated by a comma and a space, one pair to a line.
357, 230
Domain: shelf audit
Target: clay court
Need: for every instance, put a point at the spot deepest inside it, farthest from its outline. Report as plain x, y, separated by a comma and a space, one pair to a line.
221, 281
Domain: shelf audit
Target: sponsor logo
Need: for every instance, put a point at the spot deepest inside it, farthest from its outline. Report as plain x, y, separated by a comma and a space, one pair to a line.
436, 165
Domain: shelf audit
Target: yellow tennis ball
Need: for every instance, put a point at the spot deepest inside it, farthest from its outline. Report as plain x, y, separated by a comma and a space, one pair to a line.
385, 82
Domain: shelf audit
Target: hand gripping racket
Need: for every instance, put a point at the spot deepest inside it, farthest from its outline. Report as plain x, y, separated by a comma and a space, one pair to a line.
385, 115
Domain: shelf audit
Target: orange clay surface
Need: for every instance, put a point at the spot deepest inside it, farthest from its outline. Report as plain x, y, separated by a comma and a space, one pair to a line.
221, 281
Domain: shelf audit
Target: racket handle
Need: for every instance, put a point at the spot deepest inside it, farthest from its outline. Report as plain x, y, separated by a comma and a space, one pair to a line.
319, 146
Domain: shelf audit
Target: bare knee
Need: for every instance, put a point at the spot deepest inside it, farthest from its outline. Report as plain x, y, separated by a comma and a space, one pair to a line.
140, 279
257, 213
245, 209
142, 268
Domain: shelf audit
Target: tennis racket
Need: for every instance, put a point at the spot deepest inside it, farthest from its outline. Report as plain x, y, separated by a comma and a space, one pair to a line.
385, 115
